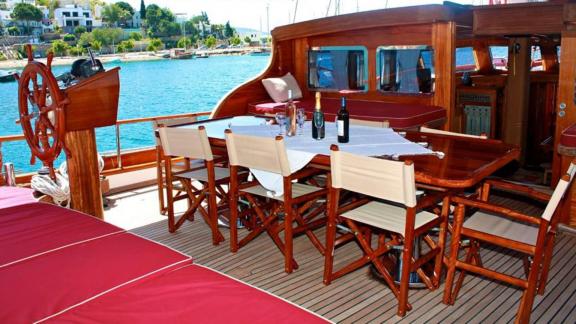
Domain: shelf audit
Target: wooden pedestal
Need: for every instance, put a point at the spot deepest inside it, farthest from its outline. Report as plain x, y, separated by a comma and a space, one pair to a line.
83, 172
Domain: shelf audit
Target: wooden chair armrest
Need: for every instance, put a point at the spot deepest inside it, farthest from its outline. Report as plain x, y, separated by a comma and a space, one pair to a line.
520, 189
430, 199
498, 209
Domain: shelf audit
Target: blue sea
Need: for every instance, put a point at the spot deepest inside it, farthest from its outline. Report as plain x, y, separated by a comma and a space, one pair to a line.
149, 88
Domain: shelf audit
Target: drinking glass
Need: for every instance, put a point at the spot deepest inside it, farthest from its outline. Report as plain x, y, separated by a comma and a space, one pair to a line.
300, 119
281, 121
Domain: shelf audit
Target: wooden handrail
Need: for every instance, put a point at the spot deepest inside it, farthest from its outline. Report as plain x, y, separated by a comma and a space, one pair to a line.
20, 137
147, 119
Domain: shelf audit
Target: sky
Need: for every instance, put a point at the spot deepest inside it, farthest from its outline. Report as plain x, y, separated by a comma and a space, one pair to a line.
252, 13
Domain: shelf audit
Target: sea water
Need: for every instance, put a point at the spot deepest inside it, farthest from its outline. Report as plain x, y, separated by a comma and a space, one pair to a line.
149, 88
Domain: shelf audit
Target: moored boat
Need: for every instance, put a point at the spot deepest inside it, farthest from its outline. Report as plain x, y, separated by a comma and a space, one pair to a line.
7, 76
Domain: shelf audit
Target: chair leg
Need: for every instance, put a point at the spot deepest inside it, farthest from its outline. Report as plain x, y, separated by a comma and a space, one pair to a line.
472, 256
454, 247
548, 252
160, 180
170, 198
233, 203
441, 242
288, 244
527, 300
405, 274
333, 198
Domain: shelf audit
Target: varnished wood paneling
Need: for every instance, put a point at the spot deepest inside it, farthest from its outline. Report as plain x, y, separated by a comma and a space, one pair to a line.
521, 19
443, 40
371, 19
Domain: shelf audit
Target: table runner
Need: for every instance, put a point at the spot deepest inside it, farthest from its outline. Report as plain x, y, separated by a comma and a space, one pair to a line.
364, 140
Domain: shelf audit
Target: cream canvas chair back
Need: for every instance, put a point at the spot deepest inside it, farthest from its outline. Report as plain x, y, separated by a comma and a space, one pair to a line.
559, 192
425, 129
389, 180
185, 142
157, 123
370, 123
266, 154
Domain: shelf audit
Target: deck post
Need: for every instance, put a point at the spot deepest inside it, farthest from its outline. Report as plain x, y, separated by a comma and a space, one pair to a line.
443, 42
83, 172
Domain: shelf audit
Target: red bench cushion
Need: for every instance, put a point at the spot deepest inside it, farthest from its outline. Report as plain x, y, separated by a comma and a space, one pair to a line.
50, 283
14, 196
36, 228
191, 294
398, 115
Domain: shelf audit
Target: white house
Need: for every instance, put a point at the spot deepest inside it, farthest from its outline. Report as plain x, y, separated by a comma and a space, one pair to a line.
72, 16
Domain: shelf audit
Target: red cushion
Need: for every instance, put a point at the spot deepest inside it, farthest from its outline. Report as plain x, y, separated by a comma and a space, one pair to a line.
13, 196
398, 115
36, 228
191, 294
45, 285
568, 137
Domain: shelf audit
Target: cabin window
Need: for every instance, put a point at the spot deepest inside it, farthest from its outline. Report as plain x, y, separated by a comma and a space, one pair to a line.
405, 69
499, 55
337, 68
465, 61
558, 52
536, 59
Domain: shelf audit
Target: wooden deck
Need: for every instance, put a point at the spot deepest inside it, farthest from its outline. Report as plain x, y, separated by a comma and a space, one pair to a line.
360, 298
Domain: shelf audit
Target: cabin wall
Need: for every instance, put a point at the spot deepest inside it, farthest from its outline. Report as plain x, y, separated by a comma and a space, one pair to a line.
291, 55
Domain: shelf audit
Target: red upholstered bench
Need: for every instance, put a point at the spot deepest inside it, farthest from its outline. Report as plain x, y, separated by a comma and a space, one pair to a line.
191, 294
60, 265
402, 116
13, 196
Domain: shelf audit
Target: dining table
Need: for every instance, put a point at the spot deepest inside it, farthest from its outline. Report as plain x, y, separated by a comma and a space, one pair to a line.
452, 162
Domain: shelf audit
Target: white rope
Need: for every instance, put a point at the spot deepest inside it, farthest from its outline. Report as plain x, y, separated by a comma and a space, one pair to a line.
59, 190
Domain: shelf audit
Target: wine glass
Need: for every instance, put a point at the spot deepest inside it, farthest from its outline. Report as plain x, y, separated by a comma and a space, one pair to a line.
281, 121
300, 119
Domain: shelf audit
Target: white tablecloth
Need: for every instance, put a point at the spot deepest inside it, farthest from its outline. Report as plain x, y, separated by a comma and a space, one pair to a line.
364, 140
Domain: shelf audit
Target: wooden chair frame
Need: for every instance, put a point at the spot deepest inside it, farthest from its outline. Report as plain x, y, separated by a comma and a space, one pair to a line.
363, 236
209, 191
263, 214
541, 253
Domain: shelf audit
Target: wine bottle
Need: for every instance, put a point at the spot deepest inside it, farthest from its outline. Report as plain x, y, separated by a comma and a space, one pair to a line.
291, 114
318, 129
343, 122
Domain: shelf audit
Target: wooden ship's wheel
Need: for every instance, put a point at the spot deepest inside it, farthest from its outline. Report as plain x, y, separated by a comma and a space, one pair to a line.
41, 105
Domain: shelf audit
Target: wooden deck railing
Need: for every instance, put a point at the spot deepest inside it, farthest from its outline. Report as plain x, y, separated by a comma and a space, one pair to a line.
20, 137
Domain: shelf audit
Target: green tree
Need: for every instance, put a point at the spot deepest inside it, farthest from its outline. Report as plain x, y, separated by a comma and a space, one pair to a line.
107, 36
85, 39
27, 13
44, 3
126, 45
128, 12
2, 57
247, 40
69, 37
136, 36
96, 45
79, 30
218, 31
142, 10
155, 44
184, 42
59, 47
112, 14
94, 4
235, 40
157, 17
210, 42
14, 31
76, 50
228, 31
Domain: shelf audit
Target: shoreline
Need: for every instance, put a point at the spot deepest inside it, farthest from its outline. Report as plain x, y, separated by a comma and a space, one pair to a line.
68, 60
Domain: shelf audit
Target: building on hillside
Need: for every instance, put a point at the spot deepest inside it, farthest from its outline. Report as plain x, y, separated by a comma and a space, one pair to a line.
72, 16
85, 4
136, 21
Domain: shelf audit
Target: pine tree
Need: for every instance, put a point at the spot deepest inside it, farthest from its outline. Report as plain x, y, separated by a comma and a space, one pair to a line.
142, 10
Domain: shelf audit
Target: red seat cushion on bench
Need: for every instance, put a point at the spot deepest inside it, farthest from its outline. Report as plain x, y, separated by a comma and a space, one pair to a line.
398, 115
191, 294
36, 228
14, 196
50, 283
